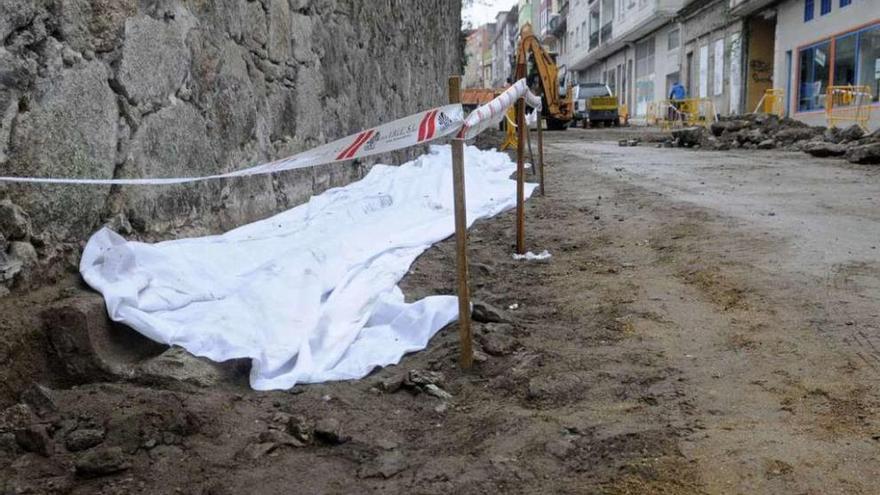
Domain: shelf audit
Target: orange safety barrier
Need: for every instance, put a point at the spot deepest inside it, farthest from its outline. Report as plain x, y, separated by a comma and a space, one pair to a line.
772, 103
848, 104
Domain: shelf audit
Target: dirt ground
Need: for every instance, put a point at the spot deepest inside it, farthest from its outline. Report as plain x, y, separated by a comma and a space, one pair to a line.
709, 323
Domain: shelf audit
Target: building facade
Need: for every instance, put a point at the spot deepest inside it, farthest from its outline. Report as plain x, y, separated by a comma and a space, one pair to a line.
820, 43
478, 53
504, 47
727, 52
625, 44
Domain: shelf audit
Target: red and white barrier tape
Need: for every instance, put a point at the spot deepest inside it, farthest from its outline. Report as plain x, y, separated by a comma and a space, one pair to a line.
533, 100
419, 128
413, 130
491, 113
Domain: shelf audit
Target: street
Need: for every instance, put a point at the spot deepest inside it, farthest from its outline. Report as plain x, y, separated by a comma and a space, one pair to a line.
708, 323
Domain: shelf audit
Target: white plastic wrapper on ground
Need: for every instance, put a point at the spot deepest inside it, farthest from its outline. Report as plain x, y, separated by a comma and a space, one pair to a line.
310, 295
530, 256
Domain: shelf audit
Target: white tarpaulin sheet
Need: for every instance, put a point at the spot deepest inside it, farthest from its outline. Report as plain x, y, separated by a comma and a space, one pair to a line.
311, 294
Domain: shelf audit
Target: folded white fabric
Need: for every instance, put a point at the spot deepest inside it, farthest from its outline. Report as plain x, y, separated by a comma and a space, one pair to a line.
310, 295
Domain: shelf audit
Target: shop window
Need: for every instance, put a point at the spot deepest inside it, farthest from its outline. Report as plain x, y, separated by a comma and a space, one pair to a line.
825, 7
813, 80
809, 8
845, 60
869, 60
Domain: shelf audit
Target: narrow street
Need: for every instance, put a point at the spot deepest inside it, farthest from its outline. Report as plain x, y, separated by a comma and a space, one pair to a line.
708, 324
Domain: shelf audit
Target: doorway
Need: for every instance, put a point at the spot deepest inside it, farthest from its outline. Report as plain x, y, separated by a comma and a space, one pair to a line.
759, 67
689, 70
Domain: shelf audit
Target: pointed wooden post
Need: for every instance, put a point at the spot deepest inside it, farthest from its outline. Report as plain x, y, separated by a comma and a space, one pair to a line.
540, 151
520, 177
464, 298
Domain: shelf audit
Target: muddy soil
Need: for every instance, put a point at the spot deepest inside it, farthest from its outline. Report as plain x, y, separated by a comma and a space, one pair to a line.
708, 323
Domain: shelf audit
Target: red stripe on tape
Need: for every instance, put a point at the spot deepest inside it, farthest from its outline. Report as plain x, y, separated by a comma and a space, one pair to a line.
341, 156
423, 126
432, 125
367, 136
428, 126
361, 137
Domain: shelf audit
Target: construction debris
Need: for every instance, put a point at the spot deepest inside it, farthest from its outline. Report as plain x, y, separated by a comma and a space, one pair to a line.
766, 132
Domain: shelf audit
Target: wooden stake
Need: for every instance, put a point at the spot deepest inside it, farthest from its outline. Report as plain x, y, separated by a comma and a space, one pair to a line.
520, 177
541, 152
464, 298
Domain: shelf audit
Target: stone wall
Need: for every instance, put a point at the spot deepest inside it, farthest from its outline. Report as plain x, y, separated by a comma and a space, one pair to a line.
128, 88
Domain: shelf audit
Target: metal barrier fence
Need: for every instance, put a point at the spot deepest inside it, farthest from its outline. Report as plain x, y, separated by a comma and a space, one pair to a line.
848, 104
680, 113
772, 103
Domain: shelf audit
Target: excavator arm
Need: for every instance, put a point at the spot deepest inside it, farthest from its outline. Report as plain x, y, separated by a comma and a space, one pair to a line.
558, 108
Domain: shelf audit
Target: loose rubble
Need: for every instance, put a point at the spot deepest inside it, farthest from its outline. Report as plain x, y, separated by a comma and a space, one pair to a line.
767, 132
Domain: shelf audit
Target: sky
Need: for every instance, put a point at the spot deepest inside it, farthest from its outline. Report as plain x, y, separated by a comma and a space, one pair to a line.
483, 11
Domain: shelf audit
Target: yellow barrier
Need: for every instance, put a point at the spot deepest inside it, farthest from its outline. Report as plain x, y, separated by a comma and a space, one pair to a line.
848, 104
772, 103
679, 113
510, 141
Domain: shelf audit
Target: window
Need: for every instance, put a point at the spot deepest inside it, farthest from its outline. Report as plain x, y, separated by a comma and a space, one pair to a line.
845, 60
809, 8
644, 82
673, 41
844, 3
594, 28
607, 11
813, 78
825, 7
869, 59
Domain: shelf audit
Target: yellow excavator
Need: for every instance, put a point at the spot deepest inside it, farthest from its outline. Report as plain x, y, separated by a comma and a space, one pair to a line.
559, 110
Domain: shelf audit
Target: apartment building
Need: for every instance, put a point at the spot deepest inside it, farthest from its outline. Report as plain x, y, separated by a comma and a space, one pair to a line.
478, 54
729, 52
504, 47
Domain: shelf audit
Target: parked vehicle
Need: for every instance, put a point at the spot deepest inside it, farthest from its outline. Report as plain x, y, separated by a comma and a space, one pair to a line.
595, 104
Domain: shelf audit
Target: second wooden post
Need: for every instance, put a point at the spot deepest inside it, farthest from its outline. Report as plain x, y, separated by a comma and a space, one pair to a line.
464, 298
520, 176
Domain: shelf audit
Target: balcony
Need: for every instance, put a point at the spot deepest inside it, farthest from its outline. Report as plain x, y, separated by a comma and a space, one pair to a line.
557, 24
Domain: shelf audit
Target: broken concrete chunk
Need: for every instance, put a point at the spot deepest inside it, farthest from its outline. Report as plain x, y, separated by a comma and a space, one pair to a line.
689, 136
852, 133
867, 154
90, 346
35, 438
41, 400
486, 313
24, 252
822, 149
767, 144
497, 343
329, 431
15, 224
178, 364
101, 462
83, 439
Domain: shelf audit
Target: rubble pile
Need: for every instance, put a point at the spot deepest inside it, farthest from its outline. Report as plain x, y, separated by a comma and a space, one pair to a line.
766, 132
